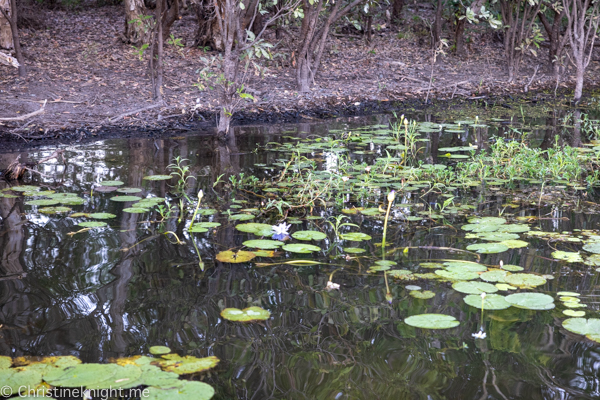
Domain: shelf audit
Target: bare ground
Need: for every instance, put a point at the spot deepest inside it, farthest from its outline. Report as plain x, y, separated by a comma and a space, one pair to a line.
89, 78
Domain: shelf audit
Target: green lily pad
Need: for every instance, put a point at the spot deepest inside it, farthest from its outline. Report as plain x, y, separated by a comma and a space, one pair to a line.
531, 301
484, 228
424, 295
488, 248
231, 257
158, 350
81, 375
241, 217
378, 268
432, 321
124, 199
474, 287
497, 236
354, 250
431, 265
457, 275
355, 236
42, 202
125, 377
512, 268
412, 287
574, 313
309, 235
72, 201
5, 362
208, 225
263, 244
92, 224
25, 188
19, 381
157, 177
400, 273
128, 190
54, 210
300, 248
189, 390
456, 266
385, 263
188, 364
514, 244
487, 220
207, 211
246, 315
524, 280
495, 275
593, 260
593, 247
567, 256
197, 229
112, 183
491, 302
102, 216
371, 211
135, 210
505, 286
513, 228
569, 298
256, 228
588, 327
573, 294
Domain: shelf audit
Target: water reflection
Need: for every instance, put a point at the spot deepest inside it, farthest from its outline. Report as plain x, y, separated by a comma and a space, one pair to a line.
115, 291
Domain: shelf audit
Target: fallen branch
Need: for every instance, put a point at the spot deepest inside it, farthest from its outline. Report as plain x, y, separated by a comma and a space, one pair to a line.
118, 117
443, 87
26, 116
7, 59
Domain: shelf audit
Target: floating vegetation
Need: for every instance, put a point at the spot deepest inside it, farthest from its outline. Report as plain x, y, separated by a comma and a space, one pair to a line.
432, 321
249, 314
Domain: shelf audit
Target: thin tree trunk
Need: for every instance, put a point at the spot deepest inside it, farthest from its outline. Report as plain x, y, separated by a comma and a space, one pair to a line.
159, 60
459, 36
12, 19
6, 41
137, 31
437, 28
397, 7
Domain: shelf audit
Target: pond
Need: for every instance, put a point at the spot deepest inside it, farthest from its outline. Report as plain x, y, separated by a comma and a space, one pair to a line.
432, 260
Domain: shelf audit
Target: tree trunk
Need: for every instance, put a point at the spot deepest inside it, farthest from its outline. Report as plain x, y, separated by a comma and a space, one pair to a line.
557, 40
12, 19
159, 50
578, 83
6, 41
437, 28
137, 27
459, 36
207, 32
397, 7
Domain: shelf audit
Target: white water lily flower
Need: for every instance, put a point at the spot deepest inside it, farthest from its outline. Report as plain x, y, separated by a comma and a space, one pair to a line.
345, 178
281, 231
479, 335
332, 286
483, 294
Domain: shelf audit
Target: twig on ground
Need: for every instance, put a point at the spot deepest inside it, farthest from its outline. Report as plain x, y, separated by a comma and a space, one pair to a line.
526, 88
118, 117
24, 117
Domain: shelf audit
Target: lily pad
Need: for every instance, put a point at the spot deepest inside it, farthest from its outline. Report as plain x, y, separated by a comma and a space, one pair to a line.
514, 244
263, 244
54, 210
588, 327
593, 247
512, 268
432, 321
488, 248
42, 202
513, 228
19, 381
124, 199
400, 273
456, 275
431, 265
112, 183
256, 228
385, 263
102, 216
125, 377
354, 250
491, 302
300, 248
531, 301
574, 313
158, 350
186, 365
378, 268
474, 287
424, 295
309, 235
567, 256
92, 224
157, 177
572, 294
5, 362
487, 220
495, 275
355, 236
81, 375
197, 229
189, 390
239, 257
246, 315
497, 236
135, 210
524, 280
241, 217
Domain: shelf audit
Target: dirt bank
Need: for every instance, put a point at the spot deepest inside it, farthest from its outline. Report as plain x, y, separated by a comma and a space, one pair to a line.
91, 81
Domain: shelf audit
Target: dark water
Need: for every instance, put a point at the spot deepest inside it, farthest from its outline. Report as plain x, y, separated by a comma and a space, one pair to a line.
115, 291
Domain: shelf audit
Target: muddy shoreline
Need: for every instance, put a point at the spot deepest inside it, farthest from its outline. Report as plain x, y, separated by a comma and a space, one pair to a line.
203, 123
